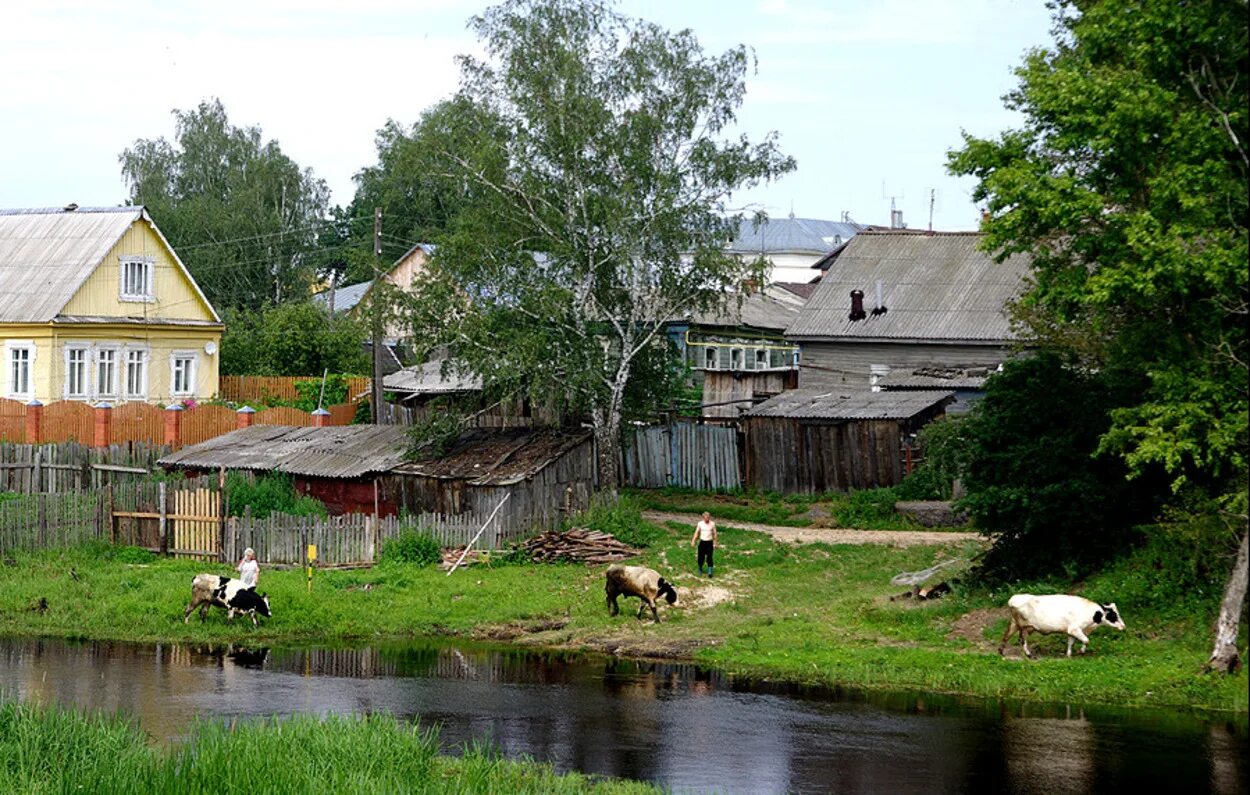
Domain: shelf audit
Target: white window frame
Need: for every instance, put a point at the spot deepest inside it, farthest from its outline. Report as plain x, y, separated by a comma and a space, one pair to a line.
84, 393
110, 390
711, 358
145, 373
148, 295
738, 357
192, 372
762, 361
28, 346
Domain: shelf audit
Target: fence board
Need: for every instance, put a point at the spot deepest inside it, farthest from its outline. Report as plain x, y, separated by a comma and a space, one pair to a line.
283, 415
138, 422
12, 421
261, 389
682, 454
205, 422
68, 421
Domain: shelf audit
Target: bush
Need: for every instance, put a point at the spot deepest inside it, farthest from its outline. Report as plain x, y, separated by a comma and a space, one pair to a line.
867, 509
412, 546
271, 493
623, 520
944, 450
130, 555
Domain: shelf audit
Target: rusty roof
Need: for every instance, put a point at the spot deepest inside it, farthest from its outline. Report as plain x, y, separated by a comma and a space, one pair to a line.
935, 286
850, 404
497, 456
346, 451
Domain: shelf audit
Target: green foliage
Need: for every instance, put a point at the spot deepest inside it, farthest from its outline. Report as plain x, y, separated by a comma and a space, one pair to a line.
291, 339
412, 546
433, 435
1036, 483
621, 518
241, 214
944, 450
1127, 185
312, 394
270, 493
868, 509
9, 496
593, 166
130, 555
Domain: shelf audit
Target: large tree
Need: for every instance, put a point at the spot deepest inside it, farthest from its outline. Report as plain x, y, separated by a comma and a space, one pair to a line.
595, 169
1127, 183
242, 215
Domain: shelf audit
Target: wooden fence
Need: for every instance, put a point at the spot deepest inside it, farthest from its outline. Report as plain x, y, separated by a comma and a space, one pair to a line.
70, 467
50, 521
12, 421
682, 454
263, 388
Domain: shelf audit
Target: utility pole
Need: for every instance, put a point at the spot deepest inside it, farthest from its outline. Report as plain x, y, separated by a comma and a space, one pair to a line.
375, 312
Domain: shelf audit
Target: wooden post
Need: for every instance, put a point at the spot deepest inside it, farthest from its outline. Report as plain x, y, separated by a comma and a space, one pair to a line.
112, 521
36, 472
164, 524
43, 519
34, 422
221, 515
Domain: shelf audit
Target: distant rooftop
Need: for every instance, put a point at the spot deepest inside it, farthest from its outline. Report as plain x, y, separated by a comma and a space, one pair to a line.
790, 235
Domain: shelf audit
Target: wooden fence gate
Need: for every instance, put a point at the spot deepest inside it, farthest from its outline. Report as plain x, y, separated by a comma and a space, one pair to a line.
184, 521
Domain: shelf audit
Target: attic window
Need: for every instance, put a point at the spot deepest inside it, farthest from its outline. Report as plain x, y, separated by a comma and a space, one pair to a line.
711, 358
136, 279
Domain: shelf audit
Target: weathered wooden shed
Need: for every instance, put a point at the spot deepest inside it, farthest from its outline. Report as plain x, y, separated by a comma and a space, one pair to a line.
545, 473
814, 440
338, 465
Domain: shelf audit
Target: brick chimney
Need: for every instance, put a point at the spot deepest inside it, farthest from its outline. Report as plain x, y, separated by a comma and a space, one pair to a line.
857, 305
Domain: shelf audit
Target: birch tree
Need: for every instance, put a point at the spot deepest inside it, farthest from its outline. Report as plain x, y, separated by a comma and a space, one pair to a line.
596, 174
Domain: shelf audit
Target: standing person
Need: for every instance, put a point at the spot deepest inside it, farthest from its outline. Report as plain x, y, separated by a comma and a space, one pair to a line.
705, 535
249, 569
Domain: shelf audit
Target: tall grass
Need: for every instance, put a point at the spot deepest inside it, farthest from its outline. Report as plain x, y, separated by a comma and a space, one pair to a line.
45, 750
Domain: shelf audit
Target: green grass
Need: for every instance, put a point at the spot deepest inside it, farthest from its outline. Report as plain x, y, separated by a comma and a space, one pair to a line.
47, 750
869, 509
814, 613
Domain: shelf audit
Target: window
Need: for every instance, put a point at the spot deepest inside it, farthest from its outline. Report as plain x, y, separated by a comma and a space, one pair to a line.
106, 372
137, 279
21, 365
136, 373
76, 360
736, 359
761, 358
711, 358
182, 373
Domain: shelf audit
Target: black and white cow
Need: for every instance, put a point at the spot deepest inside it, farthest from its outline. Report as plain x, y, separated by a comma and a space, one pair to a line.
225, 592
1074, 616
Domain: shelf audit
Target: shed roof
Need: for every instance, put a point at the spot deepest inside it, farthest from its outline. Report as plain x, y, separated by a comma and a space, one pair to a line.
497, 456
849, 404
47, 253
792, 235
428, 379
935, 286
347, 451
773, 308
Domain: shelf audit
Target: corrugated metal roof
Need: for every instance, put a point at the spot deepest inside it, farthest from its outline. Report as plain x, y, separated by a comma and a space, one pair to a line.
849, 404
936, 378
428, 379
348, 451
936, 286
792, 235
344, 297
497, 457
46, 254
773, 308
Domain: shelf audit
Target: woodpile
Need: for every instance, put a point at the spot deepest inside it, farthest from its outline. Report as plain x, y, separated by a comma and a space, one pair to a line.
577, 545
452, 554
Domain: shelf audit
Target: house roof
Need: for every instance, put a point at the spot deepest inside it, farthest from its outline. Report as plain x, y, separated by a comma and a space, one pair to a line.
347, 451
47, 253
849, 404
345, 298
936, 378
935, 286
497, 457
772, 308
792, 235
428, 379
804, 290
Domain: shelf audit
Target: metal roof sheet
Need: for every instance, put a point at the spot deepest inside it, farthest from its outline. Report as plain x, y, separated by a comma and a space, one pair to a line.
848, 404
347, 451
792, 235
46, 254
936, 286
344, 297
428, 379
773, 308
498, 457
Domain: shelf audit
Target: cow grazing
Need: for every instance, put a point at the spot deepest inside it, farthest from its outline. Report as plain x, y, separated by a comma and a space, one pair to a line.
227, 593
1073, 615
646, 584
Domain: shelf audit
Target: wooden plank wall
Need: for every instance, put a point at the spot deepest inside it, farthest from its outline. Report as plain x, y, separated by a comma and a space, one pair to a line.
682, 454
808, 456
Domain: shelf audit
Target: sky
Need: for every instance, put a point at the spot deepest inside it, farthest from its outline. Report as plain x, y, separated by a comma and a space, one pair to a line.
867, 95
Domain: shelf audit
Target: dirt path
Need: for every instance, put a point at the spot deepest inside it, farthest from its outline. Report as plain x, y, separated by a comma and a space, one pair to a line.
828, 535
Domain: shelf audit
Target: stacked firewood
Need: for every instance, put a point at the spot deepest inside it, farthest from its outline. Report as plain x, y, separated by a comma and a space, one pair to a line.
578, 545
450, 556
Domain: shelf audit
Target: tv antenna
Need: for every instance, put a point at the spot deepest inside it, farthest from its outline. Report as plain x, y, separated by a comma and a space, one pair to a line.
896, 215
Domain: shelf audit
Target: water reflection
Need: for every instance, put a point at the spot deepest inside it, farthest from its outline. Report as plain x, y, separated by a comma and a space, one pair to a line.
676, 724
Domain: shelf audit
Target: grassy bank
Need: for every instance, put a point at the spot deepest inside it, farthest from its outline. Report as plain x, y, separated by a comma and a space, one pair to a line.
870, 509
53, 750
813, 613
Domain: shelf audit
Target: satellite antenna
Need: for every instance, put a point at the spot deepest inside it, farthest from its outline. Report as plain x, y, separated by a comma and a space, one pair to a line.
932, 201
896, 215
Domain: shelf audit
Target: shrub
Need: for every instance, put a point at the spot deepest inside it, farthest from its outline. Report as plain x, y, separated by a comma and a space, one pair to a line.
131, 555
944, 447
867, 509
271, 493
623, 520
412, 546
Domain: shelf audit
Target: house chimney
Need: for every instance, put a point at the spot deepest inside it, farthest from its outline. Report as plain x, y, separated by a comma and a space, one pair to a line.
896, 219
69, 208
879, 309
857, 305
985, 217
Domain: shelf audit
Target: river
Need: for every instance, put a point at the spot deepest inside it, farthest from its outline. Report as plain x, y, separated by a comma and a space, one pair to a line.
677, 725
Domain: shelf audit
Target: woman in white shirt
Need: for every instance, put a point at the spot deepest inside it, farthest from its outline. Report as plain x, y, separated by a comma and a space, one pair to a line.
249, 569
705, 535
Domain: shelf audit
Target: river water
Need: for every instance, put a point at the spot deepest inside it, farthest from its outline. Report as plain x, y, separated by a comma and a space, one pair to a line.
677, 725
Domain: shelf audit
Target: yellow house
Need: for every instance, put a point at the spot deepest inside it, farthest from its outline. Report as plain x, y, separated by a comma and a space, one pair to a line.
96, 306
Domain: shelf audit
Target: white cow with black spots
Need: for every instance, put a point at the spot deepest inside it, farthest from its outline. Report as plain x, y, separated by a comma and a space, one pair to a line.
1074, 615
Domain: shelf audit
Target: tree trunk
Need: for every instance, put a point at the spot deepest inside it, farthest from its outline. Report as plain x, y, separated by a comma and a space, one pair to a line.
1224, 658
608, 446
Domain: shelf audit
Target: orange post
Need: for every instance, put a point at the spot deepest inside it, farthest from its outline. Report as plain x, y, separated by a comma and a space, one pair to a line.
34, 422
102, 430
321, 418
245, 416
173, 424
